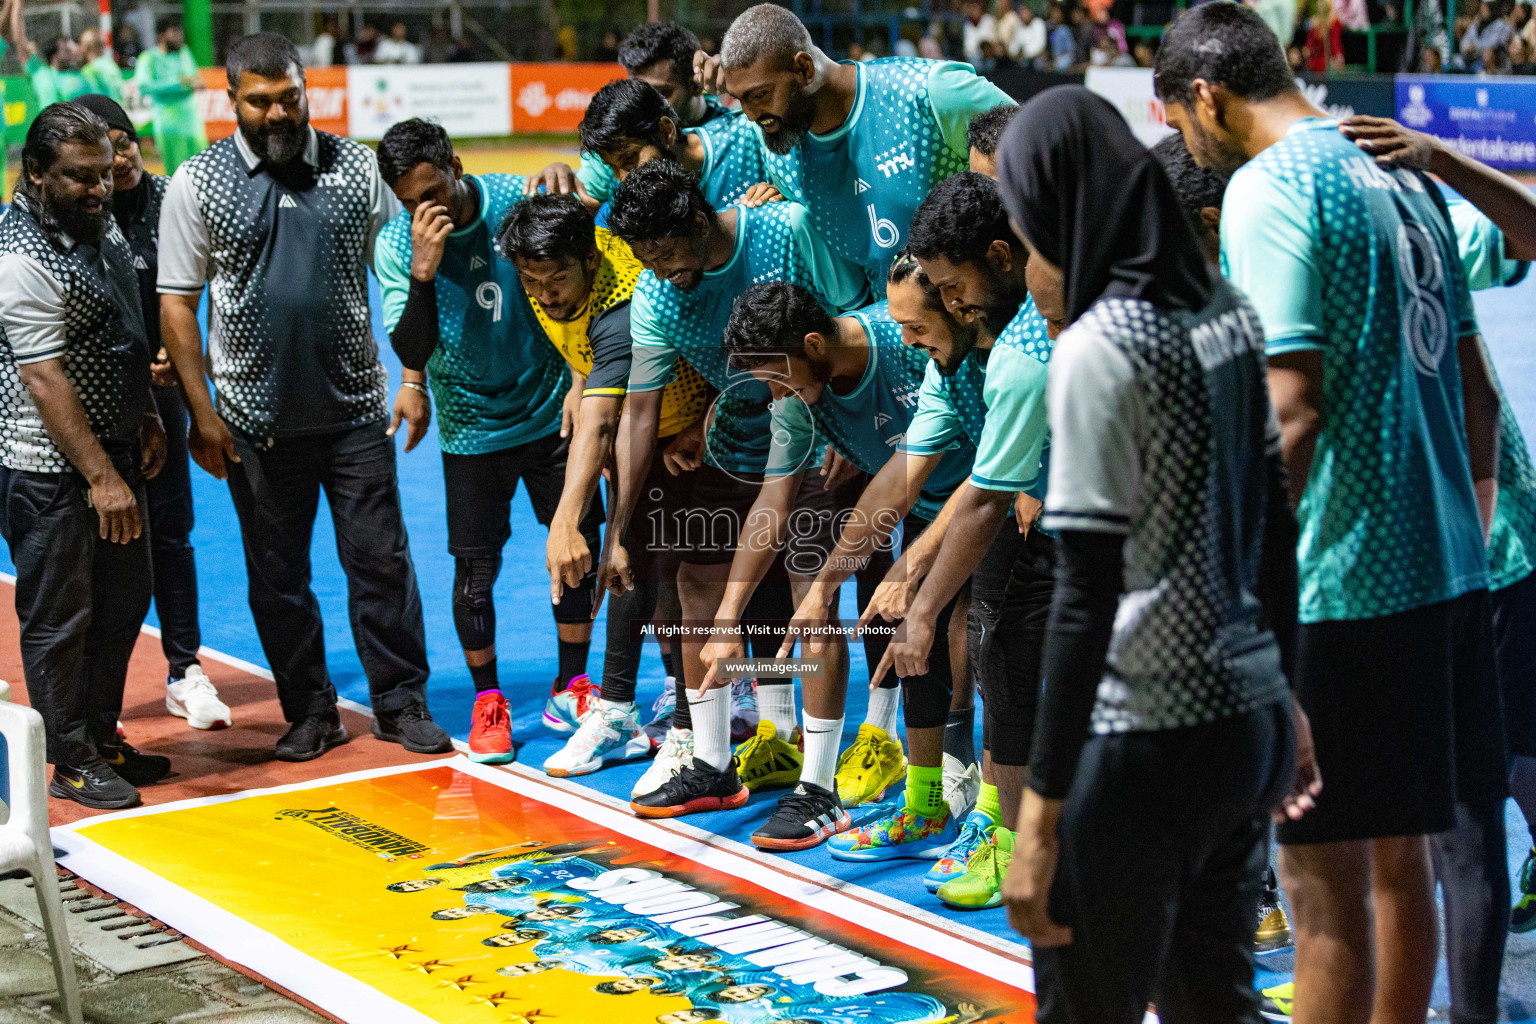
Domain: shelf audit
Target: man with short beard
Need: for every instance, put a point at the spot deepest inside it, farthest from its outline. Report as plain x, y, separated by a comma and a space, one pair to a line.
281, 219
860, 144
73, 460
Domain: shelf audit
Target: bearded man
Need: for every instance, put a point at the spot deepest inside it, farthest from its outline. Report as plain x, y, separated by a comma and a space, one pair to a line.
281, 220
78, 436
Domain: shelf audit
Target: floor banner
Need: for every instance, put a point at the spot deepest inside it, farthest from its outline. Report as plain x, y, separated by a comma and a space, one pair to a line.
452, 892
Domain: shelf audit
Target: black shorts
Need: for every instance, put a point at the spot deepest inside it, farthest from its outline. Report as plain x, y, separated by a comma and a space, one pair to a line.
1514, 650
702, 522
480, 490
817, 520
1405, 719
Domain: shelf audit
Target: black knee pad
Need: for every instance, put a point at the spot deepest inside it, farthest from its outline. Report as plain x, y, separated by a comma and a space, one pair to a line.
474, 613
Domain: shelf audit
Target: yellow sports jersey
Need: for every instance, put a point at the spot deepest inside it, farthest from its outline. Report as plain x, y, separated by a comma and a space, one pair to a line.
682, 403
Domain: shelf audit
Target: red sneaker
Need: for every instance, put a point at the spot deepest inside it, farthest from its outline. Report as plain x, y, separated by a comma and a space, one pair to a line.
490, 735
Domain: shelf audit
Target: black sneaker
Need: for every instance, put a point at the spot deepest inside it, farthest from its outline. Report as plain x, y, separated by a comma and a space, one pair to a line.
133, 766
412, 727
697, 787
94, 785
310, 737
807, 816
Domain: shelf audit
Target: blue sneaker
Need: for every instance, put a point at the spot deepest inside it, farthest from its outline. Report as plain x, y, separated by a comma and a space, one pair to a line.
902, 835
952, 865
565, 709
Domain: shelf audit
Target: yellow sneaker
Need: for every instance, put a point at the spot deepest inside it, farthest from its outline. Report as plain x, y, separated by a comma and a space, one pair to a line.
767, 762
872, 765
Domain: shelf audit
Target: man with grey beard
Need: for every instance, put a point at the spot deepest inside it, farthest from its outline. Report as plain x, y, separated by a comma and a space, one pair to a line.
78, 436
860, 144
281, 220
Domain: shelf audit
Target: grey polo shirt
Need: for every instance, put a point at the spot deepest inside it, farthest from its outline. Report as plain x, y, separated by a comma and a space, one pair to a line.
66, 300
285, 251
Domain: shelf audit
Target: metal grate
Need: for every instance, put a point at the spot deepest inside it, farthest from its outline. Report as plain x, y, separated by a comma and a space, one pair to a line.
101, 928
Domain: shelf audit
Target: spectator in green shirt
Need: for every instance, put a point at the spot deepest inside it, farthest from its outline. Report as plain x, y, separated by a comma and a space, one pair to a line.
56, 73
167, 75
100, 69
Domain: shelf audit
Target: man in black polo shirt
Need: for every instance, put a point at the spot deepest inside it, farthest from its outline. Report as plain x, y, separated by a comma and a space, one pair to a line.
281, 220
74, 408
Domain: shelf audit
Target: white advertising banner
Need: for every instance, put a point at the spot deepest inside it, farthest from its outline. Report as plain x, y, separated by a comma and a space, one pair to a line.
466, 99
1130, 90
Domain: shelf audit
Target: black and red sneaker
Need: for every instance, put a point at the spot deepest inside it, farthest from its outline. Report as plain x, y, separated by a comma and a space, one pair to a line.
807, 816
696, 788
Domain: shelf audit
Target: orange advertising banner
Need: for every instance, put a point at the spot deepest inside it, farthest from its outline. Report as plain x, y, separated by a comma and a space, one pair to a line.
453, 893
553, 97
327, 89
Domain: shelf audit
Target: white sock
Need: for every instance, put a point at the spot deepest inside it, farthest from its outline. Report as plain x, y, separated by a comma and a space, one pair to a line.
711, 726
882, 709
822, 738
625, 706
776, 703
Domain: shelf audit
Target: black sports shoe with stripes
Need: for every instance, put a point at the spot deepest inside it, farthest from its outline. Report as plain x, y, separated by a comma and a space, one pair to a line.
807, 816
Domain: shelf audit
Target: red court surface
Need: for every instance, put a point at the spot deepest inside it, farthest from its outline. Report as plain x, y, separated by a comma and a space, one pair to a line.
205, 763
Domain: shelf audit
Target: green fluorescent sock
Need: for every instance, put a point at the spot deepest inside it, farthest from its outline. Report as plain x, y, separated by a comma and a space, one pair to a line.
989, 804
925, 789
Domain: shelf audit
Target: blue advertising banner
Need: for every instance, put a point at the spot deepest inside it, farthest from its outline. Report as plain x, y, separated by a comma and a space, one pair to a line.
1491, 120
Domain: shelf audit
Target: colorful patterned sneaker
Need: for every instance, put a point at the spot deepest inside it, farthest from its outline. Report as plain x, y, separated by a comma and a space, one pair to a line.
697, 788
874, 763
1274, 929
744, 715
767, 762
982, 884
609, 734
566, 708
1277, 1002
973, 834
903, 835
962, 785
675, 751
490, 730
662, 713
805, 817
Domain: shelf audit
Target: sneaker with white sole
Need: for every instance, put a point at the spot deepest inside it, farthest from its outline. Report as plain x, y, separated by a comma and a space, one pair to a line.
612, 733
662, 713
194, 698
962, 785
744, 713
676, 751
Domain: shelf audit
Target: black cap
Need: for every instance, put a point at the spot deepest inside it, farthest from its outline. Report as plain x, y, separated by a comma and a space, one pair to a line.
106, 108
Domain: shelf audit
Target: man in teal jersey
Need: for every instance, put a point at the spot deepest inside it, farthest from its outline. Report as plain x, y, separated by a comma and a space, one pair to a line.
167, 75
661, 55
697, 261
457, 315
860, 144
628, 124
100, 69
848, 379
1384, 396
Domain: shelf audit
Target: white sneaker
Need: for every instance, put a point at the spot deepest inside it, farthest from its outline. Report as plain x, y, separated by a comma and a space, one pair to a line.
676, 751
611, 733
962, 785
193, 697
744, 712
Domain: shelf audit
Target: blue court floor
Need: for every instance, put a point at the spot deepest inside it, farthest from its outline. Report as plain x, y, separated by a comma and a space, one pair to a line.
526, 638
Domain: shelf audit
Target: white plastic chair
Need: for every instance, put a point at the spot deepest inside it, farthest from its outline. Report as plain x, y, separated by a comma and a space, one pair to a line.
26, 845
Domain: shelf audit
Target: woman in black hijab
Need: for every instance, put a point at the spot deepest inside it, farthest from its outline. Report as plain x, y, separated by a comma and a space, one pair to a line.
1096, 203
1140, 850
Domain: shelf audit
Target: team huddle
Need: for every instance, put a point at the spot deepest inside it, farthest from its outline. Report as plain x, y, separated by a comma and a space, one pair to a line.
1188, 462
